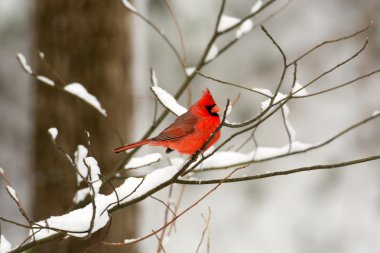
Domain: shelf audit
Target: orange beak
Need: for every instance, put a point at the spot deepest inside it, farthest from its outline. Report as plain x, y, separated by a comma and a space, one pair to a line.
215, 109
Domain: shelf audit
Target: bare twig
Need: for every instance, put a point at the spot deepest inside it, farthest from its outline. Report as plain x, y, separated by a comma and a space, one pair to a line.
207, 224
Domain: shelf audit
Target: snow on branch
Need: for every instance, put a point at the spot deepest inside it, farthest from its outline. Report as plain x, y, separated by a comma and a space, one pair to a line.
257, 6
138, 162
129, 6
167, 100
21, 58
12, 193
222, 159
45, 80
78, 222
5, 245
78, 90
298, 90
212, 53
53, 132
227, 22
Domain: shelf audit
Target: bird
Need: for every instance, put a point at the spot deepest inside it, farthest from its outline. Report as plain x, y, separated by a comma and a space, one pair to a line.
189, 132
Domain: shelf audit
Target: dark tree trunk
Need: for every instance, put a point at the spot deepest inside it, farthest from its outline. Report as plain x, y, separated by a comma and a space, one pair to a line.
84, 41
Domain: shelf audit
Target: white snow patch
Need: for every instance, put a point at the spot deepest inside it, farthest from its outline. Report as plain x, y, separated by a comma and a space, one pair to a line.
168, 101
138, 162
189, 71
81, 194
53, 132
229, 158
94, 172
154, 78
266, 103
212, 53
12, 192
45, 80
177, 161
1, 171
5, 246
130, 189
244, 28
41, 55
79, 157
229, 108
24, 64
256, 6
129, 6
131, 240
263, 91
375, 113
299, 90
93, 180
78, 90
78, 221
227, 22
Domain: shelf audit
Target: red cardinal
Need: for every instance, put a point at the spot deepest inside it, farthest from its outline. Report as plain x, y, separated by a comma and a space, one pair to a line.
190, 131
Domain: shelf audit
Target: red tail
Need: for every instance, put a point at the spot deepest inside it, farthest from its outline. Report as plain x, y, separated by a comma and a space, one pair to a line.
132, 145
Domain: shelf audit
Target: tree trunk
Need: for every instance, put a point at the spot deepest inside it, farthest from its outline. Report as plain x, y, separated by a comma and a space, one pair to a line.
84, 41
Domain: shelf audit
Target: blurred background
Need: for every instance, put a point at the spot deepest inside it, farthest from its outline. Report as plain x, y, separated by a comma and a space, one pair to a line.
110, 52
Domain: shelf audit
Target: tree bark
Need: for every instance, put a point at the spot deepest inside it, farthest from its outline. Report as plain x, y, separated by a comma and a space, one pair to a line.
84, 41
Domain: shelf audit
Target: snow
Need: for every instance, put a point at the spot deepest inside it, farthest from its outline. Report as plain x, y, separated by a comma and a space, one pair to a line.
78, 90
1, 171
131, 240
230, 158
244, 28
53, 132
263, 91
94, 173
78, 221
212, 53
45, 80
375, 113
229, 108
12, 192
129, 6
168, 101
24, 64
302, 91
256, 6
177, 161
189, 71
5, 246
79, 157
227, 22
151, 180
278, 98
154, 78
138, 162
93, 179
81, 195
42, 55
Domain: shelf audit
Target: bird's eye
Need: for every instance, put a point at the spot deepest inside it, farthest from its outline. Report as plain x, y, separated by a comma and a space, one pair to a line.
210, 111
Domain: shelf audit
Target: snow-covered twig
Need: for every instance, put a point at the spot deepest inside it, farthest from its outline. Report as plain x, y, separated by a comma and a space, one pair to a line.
279, 173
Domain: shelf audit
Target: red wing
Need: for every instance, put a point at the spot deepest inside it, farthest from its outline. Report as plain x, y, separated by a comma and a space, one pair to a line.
181, 127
